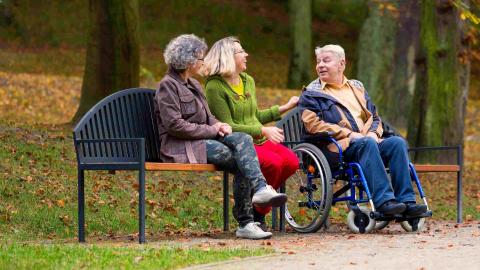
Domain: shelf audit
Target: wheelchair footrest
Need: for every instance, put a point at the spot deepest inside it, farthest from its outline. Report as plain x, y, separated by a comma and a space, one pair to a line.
398, 218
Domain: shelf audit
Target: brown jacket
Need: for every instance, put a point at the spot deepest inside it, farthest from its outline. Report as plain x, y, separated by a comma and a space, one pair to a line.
184, 120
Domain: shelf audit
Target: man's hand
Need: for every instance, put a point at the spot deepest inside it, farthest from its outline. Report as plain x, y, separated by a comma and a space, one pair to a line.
355, 135
374, 136
274, 134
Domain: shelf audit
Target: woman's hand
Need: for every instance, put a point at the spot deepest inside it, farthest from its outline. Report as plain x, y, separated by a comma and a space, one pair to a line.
274, 134
225, 129
289, 105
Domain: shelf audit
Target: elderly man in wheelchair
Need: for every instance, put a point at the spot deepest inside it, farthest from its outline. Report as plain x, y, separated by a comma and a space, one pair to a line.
341, 120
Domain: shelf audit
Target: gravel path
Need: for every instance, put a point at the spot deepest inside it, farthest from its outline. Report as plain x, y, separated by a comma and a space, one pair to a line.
441, 245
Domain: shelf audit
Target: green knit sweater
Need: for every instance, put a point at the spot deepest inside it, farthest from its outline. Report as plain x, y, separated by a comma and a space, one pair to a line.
242, 115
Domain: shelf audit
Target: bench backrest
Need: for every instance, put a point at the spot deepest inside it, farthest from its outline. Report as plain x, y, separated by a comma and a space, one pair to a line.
125, 114
292, 126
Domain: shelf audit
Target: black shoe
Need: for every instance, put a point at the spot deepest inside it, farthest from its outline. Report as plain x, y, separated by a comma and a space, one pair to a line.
391, 208
414, 209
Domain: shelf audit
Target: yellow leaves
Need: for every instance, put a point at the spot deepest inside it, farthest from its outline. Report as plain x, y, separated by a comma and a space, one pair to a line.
387, 8
60, 203
41, 99
465, 13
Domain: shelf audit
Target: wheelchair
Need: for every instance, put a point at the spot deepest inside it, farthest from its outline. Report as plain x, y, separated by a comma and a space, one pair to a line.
311, 189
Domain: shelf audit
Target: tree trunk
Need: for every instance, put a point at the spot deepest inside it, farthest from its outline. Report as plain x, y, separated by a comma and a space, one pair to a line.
443, 67
301, 43
387, 46
112, 59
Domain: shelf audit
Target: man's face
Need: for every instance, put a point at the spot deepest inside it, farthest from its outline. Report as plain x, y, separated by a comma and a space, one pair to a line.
329, 67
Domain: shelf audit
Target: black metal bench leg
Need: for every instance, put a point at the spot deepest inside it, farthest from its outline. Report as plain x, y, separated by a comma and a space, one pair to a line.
226, 201
81, 206
274, 218
459, 185
282, 212
141, 205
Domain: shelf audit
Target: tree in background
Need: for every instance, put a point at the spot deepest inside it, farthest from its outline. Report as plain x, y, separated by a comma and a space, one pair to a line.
113, 57
300, 69
443, 72
387, 47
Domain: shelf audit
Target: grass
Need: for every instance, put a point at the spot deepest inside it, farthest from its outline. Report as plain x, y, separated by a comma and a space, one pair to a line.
55, 256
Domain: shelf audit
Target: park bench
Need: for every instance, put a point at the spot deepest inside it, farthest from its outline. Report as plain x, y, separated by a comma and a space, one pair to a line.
120, 133
294, 130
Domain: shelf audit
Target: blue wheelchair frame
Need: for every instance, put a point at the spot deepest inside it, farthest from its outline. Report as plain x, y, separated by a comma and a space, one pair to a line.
356, 180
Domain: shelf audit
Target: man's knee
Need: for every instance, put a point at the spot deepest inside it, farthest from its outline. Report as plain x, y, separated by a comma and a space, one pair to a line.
367, 142
397, 143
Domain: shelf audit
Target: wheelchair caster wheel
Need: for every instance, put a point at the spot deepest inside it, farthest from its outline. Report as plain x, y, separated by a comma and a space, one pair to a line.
381, 225
360, 223
413, 225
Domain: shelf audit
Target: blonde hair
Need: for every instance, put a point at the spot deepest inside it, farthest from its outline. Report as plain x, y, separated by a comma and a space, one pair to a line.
335, 49
220, 60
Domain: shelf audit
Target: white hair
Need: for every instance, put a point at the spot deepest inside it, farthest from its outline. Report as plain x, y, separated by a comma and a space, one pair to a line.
184, 51
220, 60
335, 49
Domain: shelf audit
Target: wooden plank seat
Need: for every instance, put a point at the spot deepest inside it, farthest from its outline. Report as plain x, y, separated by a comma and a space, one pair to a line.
436, 168
294, 134
155, 166
120, 133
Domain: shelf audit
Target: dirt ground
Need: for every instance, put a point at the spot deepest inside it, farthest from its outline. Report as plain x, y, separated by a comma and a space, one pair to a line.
441, 245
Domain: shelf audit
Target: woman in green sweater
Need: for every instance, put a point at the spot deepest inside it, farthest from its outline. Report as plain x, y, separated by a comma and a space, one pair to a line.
232, 99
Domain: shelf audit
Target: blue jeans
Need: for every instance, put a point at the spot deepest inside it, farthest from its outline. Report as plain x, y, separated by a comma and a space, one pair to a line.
236, 154
373, 158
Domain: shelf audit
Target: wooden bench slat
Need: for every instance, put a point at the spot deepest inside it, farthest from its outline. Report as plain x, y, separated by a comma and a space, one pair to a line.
436, 168
156, 166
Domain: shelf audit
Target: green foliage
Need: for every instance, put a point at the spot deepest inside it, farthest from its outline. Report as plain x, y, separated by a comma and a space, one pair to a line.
30, 256
339, 22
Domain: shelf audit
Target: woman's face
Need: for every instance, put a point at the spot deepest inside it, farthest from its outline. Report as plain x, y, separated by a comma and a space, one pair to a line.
240, 57
197, 66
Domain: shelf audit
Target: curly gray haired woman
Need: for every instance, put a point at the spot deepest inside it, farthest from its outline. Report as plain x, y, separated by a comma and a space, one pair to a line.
184, 51
189, 133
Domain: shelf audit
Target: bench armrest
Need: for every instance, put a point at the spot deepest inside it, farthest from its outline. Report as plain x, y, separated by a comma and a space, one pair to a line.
110, 150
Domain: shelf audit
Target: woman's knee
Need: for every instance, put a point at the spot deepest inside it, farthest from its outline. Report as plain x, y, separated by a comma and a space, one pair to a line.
272, 162
291, 162
240, 138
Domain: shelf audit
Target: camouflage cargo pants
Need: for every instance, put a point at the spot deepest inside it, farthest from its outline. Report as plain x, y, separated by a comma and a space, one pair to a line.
236, 154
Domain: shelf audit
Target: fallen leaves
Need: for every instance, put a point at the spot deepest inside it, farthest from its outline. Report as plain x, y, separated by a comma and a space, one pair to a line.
34, 95
61, 203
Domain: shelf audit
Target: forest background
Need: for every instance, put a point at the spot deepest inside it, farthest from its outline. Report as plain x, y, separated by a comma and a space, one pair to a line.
42, 63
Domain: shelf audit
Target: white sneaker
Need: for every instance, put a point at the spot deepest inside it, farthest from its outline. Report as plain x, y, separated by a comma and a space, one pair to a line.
267, 196
252, 231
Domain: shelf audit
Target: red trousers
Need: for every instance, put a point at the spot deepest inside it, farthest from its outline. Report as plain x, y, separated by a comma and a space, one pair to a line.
277, 163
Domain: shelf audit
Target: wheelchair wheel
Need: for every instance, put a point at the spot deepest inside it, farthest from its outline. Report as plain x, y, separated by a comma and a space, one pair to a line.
413, 225
355, 222
309, 190
381, 225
